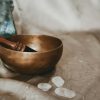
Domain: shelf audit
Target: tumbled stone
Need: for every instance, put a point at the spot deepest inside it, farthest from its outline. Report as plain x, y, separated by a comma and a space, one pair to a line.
58, 81
64, 92
44, 86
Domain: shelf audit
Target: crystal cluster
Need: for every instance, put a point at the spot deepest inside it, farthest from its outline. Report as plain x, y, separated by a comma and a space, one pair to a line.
60, 90
6, 20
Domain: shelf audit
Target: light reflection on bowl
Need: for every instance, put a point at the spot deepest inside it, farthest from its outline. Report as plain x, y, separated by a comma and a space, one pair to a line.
49, 50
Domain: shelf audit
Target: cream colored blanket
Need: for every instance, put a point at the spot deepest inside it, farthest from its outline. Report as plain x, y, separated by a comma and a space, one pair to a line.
80, 63
56, 16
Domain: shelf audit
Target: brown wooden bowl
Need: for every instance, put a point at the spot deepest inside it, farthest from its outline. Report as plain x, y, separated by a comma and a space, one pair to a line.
49, 50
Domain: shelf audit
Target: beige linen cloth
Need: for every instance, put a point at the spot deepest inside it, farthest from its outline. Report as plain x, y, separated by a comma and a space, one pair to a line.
76, 23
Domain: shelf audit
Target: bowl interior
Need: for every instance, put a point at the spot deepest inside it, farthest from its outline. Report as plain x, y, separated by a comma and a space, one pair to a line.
40, 43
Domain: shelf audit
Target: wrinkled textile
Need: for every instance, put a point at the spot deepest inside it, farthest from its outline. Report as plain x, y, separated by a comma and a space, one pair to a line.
79, 66
56, 16
80, 62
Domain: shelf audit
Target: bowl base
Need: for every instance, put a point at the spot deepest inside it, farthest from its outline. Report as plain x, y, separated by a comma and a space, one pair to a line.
6, 72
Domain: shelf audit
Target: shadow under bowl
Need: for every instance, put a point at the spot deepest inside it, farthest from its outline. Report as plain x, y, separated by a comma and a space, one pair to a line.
48, 53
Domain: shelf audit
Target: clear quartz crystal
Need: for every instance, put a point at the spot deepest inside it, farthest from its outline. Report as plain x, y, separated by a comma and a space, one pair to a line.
65, 92
44, 86
58, 81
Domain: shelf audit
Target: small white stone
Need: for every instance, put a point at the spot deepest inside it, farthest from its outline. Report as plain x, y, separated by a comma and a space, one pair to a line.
65, 92
44, 86
58, 81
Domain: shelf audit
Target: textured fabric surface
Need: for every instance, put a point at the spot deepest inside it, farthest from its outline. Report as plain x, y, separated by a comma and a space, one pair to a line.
80, 62
79, 67
52, 16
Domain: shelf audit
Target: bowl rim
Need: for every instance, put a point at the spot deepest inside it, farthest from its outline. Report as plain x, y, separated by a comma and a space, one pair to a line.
61, 45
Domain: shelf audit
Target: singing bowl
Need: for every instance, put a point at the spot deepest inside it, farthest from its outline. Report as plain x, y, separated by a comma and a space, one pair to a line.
48, 53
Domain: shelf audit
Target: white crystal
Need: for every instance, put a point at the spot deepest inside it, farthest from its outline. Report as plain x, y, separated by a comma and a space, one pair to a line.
65, 92
44, 86
58, 81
